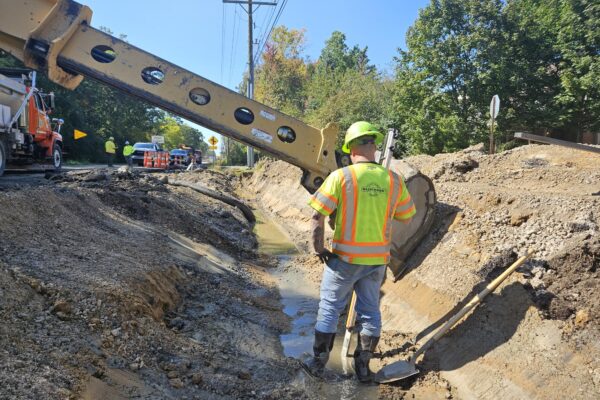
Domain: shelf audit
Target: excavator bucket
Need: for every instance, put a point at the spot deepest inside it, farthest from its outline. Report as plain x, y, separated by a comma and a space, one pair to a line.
405, 237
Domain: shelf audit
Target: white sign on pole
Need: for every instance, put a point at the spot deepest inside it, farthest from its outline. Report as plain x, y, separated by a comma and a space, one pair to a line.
158, 139
495, 106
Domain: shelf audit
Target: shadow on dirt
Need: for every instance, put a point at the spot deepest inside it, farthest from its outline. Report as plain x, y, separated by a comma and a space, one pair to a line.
489, 271
490, 325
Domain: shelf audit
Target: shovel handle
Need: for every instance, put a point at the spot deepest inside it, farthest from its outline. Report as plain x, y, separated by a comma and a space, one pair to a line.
470, 305
351, 312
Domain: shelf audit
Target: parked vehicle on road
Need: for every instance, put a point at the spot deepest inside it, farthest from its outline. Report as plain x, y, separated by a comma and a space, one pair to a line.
140, 148
27, 134
179, 157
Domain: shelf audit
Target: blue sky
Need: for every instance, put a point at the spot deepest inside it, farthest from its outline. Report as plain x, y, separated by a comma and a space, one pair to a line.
210, 38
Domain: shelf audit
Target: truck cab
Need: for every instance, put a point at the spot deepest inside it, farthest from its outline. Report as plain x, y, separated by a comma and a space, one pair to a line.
27, 133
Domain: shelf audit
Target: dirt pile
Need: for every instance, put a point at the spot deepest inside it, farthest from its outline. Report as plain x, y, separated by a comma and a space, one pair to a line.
571, 283
147, 198
116, 285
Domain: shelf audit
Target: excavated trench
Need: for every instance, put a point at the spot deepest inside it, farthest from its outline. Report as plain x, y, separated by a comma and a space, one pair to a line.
155, 291
300, 300
511, 346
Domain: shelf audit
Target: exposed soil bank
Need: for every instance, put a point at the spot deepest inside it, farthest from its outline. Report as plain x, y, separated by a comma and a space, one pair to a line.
115, 285
537, 336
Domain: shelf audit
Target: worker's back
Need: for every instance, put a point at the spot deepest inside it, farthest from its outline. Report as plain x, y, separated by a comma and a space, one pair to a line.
366, 197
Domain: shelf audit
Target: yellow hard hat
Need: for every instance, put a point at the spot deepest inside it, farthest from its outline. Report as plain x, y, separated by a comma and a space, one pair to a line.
358, 129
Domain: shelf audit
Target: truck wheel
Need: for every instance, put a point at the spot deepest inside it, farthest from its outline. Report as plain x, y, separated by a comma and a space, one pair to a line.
2, 157
57, 158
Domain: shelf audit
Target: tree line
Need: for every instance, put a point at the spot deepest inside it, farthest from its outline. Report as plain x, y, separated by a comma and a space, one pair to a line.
542, 57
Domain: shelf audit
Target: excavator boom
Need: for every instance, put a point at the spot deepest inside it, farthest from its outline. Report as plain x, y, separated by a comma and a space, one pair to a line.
55, 36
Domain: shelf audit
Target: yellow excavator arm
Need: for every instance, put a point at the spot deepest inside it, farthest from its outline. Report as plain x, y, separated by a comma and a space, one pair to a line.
55, 36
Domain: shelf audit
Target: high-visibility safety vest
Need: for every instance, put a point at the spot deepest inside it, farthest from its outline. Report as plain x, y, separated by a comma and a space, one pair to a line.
367, 198
110, 147
127, 150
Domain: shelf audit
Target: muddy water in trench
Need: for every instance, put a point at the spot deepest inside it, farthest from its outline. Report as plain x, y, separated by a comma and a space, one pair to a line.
300, 299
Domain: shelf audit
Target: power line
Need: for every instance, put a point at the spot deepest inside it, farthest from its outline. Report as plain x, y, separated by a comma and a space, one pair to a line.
283, 4
266, 34
251, 56
265, 26
233, 45
223, 24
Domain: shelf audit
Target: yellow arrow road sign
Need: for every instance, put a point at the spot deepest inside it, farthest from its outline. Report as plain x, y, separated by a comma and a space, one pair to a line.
79, 134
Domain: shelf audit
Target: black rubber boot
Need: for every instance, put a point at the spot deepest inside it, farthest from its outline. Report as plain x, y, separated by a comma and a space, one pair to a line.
362, 356
323, 344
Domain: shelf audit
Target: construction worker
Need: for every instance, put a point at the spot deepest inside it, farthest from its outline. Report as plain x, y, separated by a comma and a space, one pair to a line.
110, 148
365, 197
127, 153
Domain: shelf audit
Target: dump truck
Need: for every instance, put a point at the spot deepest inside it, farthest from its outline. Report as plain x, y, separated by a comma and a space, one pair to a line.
27, 133
56, 37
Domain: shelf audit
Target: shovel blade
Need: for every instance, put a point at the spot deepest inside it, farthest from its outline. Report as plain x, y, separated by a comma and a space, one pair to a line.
395, 371
347, 358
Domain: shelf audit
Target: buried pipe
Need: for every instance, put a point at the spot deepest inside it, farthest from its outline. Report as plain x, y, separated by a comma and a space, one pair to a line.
247, 211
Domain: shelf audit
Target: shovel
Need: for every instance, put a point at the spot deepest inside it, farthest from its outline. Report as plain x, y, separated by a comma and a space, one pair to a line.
404, 369
346, 358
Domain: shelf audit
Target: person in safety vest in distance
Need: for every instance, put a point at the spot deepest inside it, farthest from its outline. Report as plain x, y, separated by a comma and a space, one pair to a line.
110, 148
366, 198
127, 153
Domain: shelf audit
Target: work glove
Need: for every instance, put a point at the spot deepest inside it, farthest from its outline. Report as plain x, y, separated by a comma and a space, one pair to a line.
325, 256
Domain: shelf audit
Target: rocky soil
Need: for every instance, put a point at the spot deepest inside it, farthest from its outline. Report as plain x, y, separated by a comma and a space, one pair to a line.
545, 198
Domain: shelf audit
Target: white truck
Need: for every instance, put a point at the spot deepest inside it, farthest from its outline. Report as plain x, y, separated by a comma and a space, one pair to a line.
27, 134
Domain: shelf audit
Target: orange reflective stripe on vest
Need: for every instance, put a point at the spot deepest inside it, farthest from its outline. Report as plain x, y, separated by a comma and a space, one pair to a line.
349, 202
394, 195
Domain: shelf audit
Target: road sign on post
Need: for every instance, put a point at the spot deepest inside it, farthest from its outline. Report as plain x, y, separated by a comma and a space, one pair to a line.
158, 139
494, 109
213, 141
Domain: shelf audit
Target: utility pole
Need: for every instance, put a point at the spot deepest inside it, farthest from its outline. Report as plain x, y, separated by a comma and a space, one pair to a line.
250, 87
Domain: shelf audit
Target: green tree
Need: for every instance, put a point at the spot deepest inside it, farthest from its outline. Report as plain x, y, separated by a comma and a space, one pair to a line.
578, 42
540, 57
281, 77
337, 64
449, 73
233, 152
